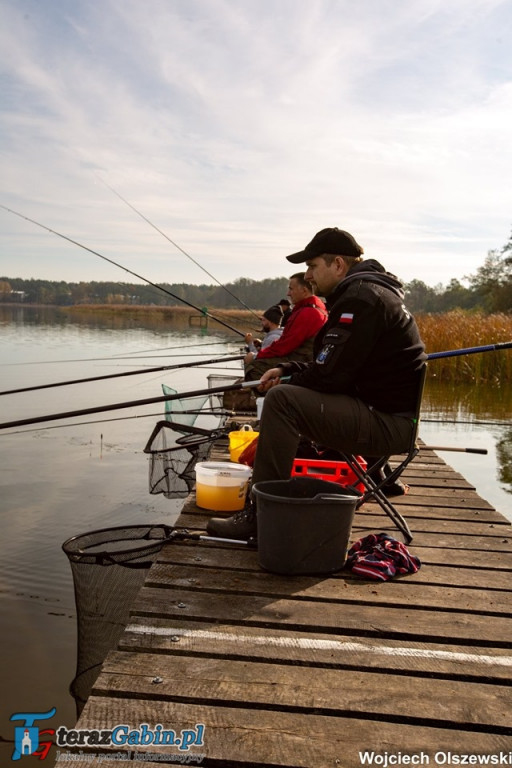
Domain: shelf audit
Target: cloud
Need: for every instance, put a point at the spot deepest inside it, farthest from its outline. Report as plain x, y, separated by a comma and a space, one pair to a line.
241, 129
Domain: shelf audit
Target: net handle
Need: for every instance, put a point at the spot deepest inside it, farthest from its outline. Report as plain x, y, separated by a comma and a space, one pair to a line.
104, 557
212, 434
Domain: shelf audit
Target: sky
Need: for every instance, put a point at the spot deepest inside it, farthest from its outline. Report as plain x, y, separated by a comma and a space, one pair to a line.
237, 129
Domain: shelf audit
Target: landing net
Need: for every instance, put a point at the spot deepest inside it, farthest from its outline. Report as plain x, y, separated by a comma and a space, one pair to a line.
108, 567
174, 449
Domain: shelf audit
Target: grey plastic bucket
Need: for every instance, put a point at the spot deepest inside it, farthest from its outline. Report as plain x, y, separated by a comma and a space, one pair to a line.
304, 525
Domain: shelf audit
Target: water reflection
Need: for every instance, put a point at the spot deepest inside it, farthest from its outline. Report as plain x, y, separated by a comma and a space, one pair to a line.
468, 402
504, 455
158, 319
487, 411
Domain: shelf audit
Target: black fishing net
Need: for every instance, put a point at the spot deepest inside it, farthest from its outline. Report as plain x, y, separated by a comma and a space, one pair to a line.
109, 567
174, 449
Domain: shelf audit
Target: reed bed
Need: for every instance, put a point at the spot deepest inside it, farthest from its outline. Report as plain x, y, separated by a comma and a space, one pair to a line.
458, 330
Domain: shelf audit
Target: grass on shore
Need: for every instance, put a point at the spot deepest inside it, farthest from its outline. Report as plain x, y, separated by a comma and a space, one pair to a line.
459, 330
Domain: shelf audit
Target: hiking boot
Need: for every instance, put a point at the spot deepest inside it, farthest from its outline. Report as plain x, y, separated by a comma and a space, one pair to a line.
395, 489
241, 525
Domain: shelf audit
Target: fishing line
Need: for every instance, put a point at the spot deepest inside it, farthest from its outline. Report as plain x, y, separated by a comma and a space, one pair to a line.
110, 357
150, 357
118, 375
125, 269
183, 346
175, 244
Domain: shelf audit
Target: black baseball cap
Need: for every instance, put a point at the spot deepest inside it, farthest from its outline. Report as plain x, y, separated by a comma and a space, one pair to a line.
329, 240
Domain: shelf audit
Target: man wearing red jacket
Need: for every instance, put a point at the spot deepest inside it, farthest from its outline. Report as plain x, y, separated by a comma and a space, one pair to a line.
296, 342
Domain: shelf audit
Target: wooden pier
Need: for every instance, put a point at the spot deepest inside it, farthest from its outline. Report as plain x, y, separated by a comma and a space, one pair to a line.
320, 672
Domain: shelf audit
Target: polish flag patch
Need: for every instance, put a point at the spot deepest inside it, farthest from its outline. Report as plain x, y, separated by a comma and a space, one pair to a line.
346, 318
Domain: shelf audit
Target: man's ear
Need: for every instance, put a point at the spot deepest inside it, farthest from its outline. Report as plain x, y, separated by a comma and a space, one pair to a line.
342, 265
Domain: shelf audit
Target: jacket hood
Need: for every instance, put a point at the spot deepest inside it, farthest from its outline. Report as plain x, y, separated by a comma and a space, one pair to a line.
374, 272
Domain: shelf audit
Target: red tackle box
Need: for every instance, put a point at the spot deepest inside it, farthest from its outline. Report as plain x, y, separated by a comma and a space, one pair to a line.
335, 471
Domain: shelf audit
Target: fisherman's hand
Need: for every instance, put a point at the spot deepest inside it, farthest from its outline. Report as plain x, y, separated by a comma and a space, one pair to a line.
248, 338
270, 379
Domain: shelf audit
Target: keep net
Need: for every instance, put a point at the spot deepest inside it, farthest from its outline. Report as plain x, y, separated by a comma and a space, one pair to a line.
187, 410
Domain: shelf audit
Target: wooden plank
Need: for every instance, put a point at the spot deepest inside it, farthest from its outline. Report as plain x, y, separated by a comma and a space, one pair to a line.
373, 516
413, 590
241, 736
449, 498
383, 621
205, 554
407, 508
445, 661
460, 514
442, 533
228, 682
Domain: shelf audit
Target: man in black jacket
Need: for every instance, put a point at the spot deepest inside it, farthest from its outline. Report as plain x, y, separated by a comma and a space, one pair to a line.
359, 394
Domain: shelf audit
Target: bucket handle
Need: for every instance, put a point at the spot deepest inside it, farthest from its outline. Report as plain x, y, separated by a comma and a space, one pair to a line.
335, 496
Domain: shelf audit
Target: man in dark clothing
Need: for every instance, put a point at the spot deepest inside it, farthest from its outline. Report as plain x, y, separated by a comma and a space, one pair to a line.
359, 394
287, 310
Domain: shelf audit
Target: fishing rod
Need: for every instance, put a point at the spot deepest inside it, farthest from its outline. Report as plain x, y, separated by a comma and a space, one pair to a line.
481, 451
471, 422
214, 411
151, 357
175, 244
172, 349
125, 269
470, 350
118, 375
130, 404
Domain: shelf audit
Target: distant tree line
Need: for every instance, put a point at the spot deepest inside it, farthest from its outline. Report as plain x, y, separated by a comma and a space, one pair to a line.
254, 293
488, 290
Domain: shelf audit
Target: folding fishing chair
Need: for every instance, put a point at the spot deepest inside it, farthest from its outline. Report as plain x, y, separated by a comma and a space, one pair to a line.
374, 489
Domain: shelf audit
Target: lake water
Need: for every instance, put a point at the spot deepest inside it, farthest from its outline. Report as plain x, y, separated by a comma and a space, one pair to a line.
64, 478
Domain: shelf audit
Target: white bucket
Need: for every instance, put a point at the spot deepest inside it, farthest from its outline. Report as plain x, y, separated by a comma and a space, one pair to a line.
221, 485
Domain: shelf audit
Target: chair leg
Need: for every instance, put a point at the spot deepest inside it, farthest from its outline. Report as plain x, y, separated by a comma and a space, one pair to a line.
374, 490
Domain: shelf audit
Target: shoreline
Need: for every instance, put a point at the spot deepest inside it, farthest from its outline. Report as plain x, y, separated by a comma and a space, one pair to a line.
454, 330
176, 315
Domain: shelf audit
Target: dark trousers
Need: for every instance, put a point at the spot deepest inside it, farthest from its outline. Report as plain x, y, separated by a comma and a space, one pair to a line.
335, 421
